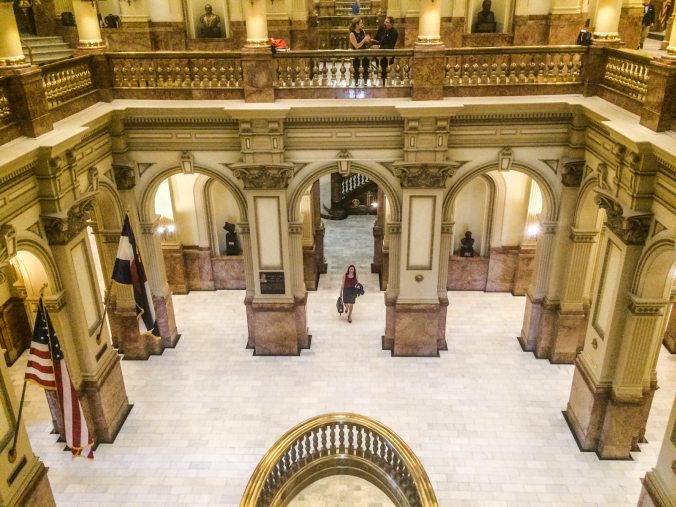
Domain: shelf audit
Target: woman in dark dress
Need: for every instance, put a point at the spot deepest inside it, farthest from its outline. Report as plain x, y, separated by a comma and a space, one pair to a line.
359, 40
349, 289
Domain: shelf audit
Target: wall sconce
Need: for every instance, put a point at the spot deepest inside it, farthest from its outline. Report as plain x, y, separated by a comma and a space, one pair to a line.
505, 159
187, 162
166, 228
533, 230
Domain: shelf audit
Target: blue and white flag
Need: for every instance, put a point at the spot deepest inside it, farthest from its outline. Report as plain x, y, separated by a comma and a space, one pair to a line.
129, 270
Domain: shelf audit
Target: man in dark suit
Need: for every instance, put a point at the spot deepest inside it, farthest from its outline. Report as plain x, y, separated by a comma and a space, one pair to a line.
386, 38
648, 20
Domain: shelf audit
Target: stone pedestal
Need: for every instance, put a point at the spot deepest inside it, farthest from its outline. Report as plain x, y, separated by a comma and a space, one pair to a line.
414, 329
15, 330
568, 331
125, 331
198, 268
104, 400
531, 324
658, 110
629, 27
174, 265
601, 422
258, 74
467, 273
166, 322
131, 36
428, 72
27, 96
524, 271
593, 69
228, 272
274, 328
310, 275
37, 492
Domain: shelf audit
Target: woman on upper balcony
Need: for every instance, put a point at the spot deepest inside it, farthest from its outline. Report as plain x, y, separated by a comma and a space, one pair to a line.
359, 40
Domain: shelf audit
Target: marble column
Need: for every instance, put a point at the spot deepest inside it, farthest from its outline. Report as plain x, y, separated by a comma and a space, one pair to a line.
377, 264
134, 33
318, 228
88, 29
393, 244
538, 285
428, 54
93, 364
669, 340
299, 291
23, 475
256, 23
445, 247
607, 23
613, 382
11, 54
629, 24
245, 237
151, 250
659, 484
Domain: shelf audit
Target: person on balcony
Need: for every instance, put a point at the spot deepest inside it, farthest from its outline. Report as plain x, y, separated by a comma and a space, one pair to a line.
355, 7
647, 21
359, 39
386, 38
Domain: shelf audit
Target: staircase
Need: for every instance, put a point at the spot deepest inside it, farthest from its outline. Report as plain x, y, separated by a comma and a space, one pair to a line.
351, 195
39, 50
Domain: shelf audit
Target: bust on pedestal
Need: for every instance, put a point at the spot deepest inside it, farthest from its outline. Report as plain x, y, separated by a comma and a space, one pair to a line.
467, 245
231, 241
210, 24
485, 20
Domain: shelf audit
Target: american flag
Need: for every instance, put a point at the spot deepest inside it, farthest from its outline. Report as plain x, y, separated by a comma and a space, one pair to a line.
47, 368
128, 270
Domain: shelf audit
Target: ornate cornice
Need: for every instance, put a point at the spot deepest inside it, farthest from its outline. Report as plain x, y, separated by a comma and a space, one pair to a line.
571, 174
18, 173
62, 227
511, 117
260, 177
423, 174
124, 175
629, 225
173, 121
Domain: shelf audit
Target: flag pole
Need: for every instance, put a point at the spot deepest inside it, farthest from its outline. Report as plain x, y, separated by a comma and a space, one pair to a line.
12, 450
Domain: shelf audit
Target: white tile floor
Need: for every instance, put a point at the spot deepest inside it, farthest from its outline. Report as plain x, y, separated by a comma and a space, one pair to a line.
484, 418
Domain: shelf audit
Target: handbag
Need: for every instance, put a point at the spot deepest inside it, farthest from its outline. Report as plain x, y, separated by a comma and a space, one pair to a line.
340, 306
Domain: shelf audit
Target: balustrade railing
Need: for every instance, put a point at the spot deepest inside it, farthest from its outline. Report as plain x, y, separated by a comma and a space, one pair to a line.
7, 117
67, 80
352, 183
627, 73
343, 69
514, 66
177, 70
354, 444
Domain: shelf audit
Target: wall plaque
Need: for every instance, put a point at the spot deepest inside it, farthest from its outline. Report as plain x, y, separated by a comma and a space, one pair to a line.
272, 282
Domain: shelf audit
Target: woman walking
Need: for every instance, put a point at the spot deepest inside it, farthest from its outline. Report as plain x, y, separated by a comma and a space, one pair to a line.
349, 289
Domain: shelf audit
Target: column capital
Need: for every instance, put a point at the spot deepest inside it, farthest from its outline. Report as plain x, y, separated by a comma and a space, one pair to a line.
424, 174
63, 226
295, 227
244, 228
394, 227
583, 235
548, 227
645, 307
263, 176
447, 227
629, 225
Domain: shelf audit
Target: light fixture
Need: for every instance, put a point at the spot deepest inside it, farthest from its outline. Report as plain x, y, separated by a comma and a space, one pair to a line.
186, 162
533, 229
505, 159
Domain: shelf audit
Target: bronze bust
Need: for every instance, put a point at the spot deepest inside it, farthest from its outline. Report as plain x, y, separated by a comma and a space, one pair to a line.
485, 20
467, 245
210, 24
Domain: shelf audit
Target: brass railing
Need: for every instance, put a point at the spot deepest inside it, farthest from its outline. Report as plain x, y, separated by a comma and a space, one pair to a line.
334, 444
66, 80
336, 69
627, 73
513, 65
6, 115
177, 69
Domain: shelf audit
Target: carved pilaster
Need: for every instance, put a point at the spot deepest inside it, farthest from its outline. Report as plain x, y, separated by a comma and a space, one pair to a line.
124, 176
63, 227
572, 172
630, 226
259, 177
424, 175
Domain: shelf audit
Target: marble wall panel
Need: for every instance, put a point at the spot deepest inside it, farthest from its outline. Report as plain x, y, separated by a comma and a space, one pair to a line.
168, 36
129, 37
569, 337
486, 39
416, 330
467, 273
199, 274
524, 271
274, 329
501, 269
228, 272
629, 27
533, 30
174, 265
564, 28
310, 274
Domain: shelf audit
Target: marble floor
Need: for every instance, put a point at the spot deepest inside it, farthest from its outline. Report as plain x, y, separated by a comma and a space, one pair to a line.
484, 418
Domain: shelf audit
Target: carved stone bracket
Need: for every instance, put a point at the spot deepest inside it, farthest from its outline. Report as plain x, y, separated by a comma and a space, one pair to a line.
64, 226
124, 175
548, 227
260, 177
582, 235
631, 226
394, 228
244, 228
424, 175
7, 243
447, 227
295, 228
572, 172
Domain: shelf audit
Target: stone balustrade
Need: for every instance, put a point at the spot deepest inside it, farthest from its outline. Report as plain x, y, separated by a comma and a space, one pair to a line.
638, 83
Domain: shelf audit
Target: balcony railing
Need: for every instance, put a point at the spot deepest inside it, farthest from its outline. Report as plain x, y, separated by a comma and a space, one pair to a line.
619, 76
339, 444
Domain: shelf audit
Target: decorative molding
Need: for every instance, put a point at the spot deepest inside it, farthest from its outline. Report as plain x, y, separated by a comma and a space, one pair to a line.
424, 174
571, 172
7, 242
62, 227
27, 169
552, 164
394, 228
244, 228
646, 307
345, 120
582, 236
447, 227
178, 120
92, 179
35, 229
602, 175
296, 228
143, 167
548, 227
658, 227
511, 117
630, 226
124, 175
260, 177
